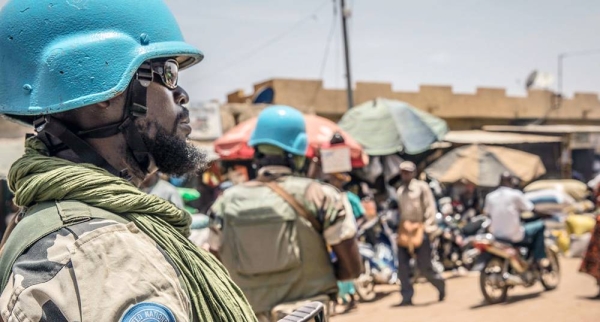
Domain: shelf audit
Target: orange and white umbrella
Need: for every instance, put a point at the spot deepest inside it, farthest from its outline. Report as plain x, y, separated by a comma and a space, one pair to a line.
233, 145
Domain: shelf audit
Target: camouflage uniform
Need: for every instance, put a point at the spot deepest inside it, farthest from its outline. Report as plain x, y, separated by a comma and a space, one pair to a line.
321, 200
76, 274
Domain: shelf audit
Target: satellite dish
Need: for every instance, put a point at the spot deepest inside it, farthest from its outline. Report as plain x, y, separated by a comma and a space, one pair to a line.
264, 95
531, 79
544, 80
539, 80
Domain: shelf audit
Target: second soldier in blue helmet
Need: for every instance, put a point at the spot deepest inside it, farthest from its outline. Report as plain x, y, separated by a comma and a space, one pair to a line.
273, 233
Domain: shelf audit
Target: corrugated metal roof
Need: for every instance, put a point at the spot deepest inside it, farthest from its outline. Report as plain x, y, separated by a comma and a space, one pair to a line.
484, 137
550, 129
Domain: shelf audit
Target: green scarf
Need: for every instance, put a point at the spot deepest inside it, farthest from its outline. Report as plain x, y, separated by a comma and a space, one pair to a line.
37, 177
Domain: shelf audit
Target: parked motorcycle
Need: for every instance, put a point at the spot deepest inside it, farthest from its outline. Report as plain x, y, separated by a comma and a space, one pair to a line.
454, 239
507, 265
447, 242
377, 248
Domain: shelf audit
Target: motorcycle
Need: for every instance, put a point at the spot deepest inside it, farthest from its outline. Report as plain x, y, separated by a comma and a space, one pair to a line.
446, 242
377, 248
476, 229
454, 239
506, 265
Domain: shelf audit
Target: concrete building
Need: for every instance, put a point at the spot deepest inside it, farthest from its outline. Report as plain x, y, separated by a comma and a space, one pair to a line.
462, 111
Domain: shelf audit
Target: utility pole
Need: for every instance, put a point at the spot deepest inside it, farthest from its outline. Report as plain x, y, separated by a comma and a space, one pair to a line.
347, 54
558, 96
559, 74
559, 81
566, 157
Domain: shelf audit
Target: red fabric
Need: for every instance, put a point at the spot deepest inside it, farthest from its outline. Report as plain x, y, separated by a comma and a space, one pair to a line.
232, 145
591, 261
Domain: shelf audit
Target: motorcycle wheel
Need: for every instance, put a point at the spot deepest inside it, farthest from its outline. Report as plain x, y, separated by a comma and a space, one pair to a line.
438, 267
365, 284
550, 277
492, 292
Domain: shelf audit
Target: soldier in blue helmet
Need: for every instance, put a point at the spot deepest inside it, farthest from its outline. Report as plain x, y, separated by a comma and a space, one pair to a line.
98, 81
273, 233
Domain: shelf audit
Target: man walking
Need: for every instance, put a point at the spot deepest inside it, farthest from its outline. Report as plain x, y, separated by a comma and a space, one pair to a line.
417, 215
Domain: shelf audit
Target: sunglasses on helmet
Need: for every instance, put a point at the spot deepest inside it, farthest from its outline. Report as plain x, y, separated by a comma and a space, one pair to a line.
168, 70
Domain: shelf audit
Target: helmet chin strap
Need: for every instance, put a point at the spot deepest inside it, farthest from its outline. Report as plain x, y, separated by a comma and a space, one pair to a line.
135, 106
287, 160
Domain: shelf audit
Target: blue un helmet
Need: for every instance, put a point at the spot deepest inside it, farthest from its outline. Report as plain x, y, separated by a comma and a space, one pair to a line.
60, 55
57, 56
283, 127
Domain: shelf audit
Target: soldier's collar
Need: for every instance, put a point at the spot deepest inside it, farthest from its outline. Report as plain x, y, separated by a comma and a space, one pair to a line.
273, 172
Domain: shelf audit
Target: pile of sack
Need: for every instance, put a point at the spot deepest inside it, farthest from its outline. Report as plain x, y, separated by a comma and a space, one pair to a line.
560, 197
573, 212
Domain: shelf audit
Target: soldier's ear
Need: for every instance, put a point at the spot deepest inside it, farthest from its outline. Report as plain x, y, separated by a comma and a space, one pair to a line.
104, 104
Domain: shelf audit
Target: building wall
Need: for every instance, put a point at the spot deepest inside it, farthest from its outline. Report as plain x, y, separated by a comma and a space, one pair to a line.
464, 111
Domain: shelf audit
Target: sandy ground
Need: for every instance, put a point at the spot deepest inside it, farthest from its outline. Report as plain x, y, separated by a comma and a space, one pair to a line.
464, 302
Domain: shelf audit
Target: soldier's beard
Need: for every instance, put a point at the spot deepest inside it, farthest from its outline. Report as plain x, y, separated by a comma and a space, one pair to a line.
174, 155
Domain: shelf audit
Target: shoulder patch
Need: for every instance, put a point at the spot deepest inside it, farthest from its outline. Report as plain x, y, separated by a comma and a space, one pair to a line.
148, 312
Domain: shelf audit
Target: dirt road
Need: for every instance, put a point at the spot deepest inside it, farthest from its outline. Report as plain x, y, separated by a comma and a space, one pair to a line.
463, 303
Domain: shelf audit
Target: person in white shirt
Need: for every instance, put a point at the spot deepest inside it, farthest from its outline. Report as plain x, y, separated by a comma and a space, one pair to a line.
505, 206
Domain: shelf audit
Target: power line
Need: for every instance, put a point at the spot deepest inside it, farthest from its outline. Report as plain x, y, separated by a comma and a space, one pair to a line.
329, 39
580, 53
338, 54
267, 43
332, 30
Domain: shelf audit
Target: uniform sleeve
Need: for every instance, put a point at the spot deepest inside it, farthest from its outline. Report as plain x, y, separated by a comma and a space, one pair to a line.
329, 208
357, 207
110, 273
215, 235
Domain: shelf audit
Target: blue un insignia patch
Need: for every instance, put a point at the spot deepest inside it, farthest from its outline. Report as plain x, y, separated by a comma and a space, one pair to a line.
148, 312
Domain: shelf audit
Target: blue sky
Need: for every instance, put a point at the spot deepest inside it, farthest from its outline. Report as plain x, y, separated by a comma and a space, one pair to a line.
462, 43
